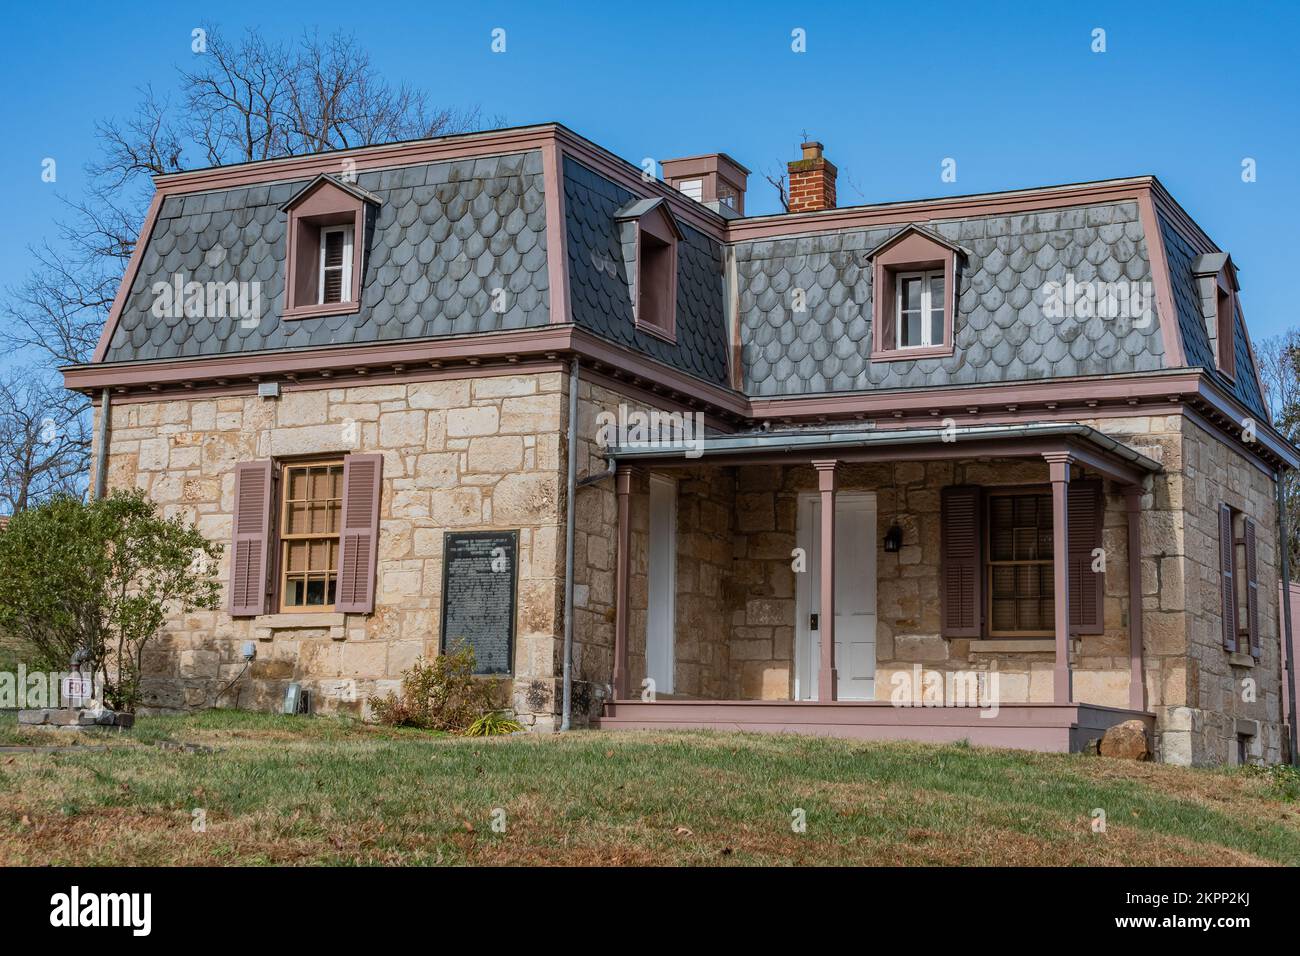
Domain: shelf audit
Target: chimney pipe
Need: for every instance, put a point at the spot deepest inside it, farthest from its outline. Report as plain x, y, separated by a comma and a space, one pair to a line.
812, 180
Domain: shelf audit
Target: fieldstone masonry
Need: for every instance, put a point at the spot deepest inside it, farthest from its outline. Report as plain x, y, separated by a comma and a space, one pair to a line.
489, 453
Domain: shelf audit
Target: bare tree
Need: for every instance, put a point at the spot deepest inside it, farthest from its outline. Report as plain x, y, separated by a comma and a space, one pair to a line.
43, 442
1279, 370
243, 99
778, 183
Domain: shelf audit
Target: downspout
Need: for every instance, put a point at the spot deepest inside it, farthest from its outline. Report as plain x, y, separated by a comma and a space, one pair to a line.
570, 518
101, 446
1284, 549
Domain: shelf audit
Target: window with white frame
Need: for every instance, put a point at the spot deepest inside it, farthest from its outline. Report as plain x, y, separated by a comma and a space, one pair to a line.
335, 264
919, 309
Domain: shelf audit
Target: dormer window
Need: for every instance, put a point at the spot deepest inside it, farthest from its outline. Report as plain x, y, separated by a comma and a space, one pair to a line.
1217, 280
920, 309
914, 278
323, 264
335, 265
651, 235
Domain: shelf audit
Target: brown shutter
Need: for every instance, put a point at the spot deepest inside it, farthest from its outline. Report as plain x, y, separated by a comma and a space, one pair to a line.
1226, 568
1087, 592
1252, 588
960, 574
359, 534
250, 549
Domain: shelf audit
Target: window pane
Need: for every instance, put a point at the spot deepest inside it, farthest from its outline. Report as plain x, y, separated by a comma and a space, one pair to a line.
334, 248
315, 591
936, 291
293, 592
936, 327
910, 290
297, 484
910, 333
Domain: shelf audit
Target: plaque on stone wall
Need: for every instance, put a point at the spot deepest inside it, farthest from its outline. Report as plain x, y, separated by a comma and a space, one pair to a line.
479, 571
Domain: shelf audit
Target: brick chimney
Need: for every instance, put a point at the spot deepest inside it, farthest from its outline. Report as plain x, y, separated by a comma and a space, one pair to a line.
812, 181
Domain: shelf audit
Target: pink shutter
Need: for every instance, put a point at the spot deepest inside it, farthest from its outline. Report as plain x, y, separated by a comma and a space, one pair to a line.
960, 573
1227, 561
360, 533
1087, 592
1252, 588
250, 548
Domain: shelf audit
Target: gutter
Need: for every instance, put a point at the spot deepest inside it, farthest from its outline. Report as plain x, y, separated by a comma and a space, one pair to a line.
570, 518
1287, 635
100, 487
804, 440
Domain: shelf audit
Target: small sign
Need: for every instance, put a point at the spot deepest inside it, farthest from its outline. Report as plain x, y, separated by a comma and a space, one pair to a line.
76, 689
478, 596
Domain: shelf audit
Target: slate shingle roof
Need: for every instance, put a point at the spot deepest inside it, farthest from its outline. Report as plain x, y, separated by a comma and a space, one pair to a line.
601, 270
1001, 331
446, 235
1191, 322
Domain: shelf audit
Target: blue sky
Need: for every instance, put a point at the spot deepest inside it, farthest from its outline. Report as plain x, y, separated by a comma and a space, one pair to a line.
1011, 91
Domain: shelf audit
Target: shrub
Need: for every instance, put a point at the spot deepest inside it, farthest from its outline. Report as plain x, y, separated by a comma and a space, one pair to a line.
100, 579
493, 724
442, 694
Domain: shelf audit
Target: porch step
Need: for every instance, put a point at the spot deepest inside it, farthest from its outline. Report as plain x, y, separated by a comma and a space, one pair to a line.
1058, 728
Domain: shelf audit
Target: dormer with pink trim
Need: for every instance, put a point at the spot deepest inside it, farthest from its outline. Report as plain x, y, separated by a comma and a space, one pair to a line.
1216, 279
326, 243
914, 275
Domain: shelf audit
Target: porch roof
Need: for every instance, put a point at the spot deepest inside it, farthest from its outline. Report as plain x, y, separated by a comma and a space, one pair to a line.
1084, 443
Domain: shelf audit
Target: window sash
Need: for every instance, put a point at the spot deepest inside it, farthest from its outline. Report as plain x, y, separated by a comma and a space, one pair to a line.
1044, 601
927, 314
343, 268
317, 577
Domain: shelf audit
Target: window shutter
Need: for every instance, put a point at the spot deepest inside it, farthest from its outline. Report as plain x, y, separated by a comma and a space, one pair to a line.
960, 585
1226, 577
1087, 592
359, 534
250, 549
1252, 588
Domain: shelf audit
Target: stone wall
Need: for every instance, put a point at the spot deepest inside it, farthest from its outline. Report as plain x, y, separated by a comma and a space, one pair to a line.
459, 454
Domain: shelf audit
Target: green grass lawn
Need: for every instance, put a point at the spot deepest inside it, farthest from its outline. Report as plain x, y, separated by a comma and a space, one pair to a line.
282, 790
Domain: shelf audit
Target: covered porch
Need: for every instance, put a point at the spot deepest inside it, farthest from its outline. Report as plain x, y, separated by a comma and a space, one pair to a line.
850, 583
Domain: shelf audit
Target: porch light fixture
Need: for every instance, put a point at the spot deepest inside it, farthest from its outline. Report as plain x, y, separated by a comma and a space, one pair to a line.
893, 538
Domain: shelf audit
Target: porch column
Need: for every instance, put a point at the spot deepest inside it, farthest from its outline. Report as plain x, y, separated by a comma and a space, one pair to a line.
827, 682
1137, 688
622, 578
1059, 468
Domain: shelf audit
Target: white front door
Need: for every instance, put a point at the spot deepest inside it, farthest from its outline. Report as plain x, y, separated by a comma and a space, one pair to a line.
659, 655
855, 596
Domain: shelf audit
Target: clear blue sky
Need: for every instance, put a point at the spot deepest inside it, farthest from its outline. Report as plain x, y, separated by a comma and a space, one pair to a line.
1011, 91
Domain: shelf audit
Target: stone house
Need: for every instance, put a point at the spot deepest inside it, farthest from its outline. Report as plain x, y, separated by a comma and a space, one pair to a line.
994, 467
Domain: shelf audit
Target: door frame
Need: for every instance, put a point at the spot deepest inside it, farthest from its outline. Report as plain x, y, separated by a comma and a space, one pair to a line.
805, 685
670, 574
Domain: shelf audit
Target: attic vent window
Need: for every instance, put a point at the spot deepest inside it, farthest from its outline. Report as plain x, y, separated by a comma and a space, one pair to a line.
335, 265
694, 188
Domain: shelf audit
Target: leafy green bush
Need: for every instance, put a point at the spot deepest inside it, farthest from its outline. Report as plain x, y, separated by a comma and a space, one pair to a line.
100, 579
493, 724
442, 694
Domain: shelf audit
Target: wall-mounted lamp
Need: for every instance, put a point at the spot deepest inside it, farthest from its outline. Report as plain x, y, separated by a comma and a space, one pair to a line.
893, 538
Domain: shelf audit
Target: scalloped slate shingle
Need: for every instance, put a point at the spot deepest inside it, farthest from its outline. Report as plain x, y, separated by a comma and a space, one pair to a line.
1000, 330
446, 235
1191, 321
600, 293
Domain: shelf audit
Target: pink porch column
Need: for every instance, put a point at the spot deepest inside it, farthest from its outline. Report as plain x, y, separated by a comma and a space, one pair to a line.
1059, 468
827, 679
622, 578
1137, 689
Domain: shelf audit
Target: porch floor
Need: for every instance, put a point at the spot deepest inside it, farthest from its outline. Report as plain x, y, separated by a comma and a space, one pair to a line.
1063, 728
